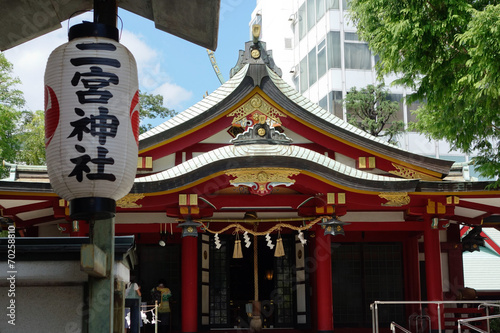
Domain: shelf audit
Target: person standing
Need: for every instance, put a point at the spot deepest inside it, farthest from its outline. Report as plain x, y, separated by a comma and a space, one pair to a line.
162, 295
133, 302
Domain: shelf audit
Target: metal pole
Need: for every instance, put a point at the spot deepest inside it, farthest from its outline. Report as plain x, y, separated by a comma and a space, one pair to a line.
105, 12
439, 316
373, 318
156, 316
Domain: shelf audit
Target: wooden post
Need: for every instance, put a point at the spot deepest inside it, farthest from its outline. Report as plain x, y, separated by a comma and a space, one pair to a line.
101, 290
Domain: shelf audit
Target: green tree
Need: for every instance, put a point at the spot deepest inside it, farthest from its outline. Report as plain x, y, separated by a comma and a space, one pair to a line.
448, 52
370, 110
152, 108
11, 104
32, 137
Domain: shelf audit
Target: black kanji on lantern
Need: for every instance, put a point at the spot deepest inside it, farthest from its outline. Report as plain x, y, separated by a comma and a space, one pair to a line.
96, 80
81, 165
103, 125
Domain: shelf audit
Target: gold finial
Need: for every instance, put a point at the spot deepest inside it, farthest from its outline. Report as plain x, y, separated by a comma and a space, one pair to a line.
256, 33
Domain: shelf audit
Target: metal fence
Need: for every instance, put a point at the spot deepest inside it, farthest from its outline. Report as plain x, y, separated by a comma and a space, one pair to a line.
421, 317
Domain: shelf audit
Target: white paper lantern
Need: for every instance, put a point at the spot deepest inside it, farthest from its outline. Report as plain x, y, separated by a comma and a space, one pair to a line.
92, 120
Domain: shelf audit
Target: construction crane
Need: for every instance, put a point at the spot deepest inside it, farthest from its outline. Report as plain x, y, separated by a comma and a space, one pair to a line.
211, 56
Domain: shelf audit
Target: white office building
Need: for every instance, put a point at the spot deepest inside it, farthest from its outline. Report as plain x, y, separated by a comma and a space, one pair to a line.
317, 48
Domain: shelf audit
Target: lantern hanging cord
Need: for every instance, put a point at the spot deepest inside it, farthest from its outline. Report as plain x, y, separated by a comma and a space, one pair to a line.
278, 226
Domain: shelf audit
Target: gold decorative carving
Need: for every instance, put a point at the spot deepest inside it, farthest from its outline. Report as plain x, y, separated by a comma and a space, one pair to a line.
407, 173
260, 175
395, 199
129, 201
256, 103
260, 181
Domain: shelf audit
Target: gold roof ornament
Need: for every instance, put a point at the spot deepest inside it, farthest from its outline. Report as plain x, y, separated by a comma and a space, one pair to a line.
262, 180
407, 173
395, 199
130, 201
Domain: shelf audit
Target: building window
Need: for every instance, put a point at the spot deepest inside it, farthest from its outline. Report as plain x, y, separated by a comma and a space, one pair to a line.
311, 14
412, 118
320, 9
356, 53
322, 58
303, 75
312, 67
302, 21
335, 98
323, 103
397, 98
332, 4
333, 44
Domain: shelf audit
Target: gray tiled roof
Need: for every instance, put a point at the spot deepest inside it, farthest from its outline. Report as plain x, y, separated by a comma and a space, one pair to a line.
231, 152
202, 106
315, 109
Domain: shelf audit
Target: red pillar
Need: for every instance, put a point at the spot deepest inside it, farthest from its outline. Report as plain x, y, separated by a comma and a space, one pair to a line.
455, 261
189, 284
433, 276
324, 297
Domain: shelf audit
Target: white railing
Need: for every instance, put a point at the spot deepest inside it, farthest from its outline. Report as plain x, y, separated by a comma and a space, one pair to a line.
394, 326
465, 322
440, 311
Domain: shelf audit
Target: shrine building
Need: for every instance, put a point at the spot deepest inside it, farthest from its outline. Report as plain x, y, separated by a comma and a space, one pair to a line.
256, 200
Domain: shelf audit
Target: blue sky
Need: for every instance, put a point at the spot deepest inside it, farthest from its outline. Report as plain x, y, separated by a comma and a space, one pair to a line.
177, 69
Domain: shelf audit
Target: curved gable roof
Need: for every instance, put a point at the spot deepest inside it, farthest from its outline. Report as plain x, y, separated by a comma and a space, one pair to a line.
218, 161
254, 73
291, 100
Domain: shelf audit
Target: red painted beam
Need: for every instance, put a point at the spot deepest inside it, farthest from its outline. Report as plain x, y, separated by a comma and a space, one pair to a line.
385, 226
481, 207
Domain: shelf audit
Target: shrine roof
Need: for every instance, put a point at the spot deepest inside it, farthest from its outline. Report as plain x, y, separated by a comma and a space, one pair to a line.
251, 74
323, 119
258, 155
194, 114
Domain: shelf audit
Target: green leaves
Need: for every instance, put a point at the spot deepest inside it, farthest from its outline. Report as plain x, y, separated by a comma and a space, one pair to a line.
370, 110
448, 52
152, 108
11, 102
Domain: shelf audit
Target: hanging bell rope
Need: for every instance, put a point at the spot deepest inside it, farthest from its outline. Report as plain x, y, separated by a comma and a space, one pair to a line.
237, 252
280, 251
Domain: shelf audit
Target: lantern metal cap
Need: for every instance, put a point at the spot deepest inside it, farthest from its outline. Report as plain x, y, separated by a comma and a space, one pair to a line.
91, 29
92, 208
189, 228
333, 226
